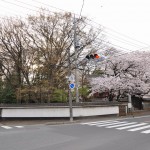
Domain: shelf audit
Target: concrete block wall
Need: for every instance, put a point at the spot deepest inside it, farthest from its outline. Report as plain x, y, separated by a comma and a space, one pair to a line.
63, 111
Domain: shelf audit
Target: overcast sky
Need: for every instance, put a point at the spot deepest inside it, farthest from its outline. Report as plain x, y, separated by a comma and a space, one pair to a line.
129, 18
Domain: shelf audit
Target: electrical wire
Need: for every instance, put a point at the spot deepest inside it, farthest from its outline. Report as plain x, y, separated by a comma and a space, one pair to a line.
123, 35
122, 40
36, 11
81, 8
10, 10
119, 39
23, 6
20, 6
66, 11
100, 39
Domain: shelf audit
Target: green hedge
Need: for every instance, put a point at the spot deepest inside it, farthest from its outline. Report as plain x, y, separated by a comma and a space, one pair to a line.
59, 96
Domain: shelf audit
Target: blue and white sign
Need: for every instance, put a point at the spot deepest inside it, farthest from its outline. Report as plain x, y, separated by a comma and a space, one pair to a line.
71, 86
71, 78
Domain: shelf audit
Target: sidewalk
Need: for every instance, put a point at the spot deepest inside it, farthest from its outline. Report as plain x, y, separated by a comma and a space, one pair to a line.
139, 113
55, 121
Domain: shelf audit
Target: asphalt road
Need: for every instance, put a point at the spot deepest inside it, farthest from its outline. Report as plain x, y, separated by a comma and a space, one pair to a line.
113, 134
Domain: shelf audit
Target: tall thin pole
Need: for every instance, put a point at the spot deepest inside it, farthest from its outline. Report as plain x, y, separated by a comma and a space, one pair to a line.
70, 96
76, 62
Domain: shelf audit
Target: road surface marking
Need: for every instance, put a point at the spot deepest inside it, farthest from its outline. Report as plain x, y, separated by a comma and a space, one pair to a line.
132, 126
6, 127
19, 126
107, 124
146, 132
119, 125
98, 122
140, 128
93, 124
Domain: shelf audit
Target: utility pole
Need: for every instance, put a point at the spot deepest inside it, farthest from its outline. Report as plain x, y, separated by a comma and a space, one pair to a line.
130, 107
70, 96
76, 61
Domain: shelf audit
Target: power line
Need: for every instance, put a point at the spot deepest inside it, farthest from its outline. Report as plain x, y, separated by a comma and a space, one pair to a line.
19, 5
81, 9
115, 45
10, 10
29, 5
128, 52
129, 37
66, 11
122, 38
32, 9
118, 38
123, 41
95, 23
49, 6
118, 32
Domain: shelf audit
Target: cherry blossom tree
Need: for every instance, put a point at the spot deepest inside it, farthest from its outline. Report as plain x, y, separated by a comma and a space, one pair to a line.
129, 73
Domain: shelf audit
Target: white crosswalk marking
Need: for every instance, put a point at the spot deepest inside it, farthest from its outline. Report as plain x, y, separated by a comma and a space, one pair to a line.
140, 128
132, 126
101, 123
19, 126
119, 125
146, 132
98, 122
107, 124
6, 127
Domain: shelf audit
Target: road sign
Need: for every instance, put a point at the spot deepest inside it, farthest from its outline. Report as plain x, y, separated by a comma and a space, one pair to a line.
71, 78
71, 86
129, 105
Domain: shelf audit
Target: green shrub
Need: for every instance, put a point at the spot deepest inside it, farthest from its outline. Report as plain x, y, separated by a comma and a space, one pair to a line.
59, 96
84, 92
7, 95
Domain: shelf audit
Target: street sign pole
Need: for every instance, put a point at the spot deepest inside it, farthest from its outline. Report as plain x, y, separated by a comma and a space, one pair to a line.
70, 96
70, 105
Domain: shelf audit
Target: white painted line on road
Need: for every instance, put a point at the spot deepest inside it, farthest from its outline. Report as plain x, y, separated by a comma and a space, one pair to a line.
6, 127
132, 126
146, 132
99, 122
124, 124
124, 118
107, 124
19, 126
140, 128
